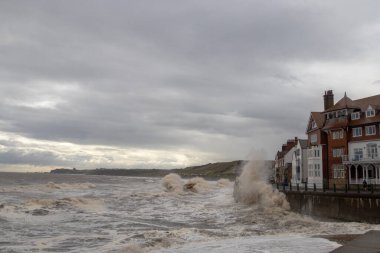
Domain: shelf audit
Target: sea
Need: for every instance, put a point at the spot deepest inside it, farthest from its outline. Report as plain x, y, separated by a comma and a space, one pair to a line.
42, 212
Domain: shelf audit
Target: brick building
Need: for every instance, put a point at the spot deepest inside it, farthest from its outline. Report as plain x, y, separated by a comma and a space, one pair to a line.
344, 141
283, 162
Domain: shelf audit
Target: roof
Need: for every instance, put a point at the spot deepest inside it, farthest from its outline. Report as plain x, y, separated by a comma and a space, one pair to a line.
361, 104
319, 118
344, 103
364, 120
374, 101
303, 143
336, 123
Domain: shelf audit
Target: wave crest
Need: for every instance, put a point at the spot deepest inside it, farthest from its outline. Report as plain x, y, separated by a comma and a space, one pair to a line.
251, 187
173, 183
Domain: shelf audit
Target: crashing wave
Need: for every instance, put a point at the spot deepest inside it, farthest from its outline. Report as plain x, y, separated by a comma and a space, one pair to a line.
252, 187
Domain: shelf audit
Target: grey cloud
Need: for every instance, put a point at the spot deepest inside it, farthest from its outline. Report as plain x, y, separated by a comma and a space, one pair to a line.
168, 75
38, 158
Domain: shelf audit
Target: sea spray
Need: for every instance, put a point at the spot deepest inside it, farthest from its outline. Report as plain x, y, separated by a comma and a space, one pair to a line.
173, 183
196, 184
222, 183
252, 187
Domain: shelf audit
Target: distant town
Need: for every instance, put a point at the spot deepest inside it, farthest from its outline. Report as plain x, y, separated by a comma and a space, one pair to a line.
341, 147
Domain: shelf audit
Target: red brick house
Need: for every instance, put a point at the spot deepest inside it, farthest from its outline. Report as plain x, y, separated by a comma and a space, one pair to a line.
347, 134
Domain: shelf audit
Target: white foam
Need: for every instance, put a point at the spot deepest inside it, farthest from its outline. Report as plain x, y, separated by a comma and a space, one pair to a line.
272, 244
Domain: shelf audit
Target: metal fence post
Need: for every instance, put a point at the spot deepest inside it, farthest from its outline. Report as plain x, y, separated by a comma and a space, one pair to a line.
305, 187
334, 188
315, 187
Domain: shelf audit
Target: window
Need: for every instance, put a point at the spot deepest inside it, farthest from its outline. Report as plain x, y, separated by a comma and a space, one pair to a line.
355, 115
356, 132
337, 152
338, 170
372, 150
370, 112
358, 154
311, 170
313, 125
313, 138
317, 170
370, 130
341, 113
337, 134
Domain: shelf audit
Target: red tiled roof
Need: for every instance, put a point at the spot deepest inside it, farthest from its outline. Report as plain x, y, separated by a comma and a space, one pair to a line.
319, 118
374, 101
364, 120
344, 103
335, 123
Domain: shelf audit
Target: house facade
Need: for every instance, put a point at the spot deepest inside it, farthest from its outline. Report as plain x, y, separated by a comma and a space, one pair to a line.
342, 146
345, 140
299, 162
283, 162
317, 146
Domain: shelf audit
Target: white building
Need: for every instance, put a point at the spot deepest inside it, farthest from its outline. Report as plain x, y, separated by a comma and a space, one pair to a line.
364, 162
299, 162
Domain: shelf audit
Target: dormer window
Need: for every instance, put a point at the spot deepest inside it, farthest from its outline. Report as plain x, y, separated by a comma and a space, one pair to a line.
370, 112
313, 125
355, 115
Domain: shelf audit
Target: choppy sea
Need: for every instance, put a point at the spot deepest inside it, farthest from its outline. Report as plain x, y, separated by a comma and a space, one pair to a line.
81, 213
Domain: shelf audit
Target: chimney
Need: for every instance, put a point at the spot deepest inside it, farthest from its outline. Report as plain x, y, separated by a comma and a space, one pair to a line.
328, 99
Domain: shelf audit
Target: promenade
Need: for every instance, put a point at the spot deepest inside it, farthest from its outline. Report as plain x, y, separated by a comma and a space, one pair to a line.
367, 243
347, 204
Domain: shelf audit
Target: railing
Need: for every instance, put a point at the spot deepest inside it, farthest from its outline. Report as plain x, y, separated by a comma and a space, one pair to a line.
359, 158
360, 181
336, 188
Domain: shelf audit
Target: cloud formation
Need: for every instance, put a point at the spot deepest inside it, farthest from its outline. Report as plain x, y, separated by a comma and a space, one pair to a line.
169, 84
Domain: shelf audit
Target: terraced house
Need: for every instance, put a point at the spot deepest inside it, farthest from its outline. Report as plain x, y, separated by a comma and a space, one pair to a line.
344, 140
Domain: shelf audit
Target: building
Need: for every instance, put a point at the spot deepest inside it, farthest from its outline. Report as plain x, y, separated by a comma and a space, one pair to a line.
343, 140
283, 162
299, 162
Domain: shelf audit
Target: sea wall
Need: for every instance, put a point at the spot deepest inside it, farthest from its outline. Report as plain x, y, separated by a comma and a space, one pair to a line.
342, 206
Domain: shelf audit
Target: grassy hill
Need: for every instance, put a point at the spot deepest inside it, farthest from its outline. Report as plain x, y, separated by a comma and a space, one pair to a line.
210, 171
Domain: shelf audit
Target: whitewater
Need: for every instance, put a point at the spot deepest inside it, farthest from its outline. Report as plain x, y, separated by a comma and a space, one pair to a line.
81, 213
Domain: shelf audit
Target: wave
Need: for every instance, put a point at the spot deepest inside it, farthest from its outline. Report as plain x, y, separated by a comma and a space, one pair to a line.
196, 184
251, 187
53, 185
173, 183
79, 202
222, 183
130, 249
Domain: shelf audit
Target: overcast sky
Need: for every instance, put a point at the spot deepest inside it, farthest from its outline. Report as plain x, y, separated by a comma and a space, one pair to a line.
168, 83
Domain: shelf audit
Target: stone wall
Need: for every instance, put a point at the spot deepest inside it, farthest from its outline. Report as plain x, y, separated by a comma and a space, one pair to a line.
342, 206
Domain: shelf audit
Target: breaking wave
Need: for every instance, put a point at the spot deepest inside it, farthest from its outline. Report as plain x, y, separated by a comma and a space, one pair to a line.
252, 187
223, 183
173, 183
196, 184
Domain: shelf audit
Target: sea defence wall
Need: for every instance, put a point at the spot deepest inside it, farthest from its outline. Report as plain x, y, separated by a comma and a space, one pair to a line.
363, 207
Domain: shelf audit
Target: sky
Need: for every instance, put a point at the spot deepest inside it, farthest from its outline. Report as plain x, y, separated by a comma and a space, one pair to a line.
168, 83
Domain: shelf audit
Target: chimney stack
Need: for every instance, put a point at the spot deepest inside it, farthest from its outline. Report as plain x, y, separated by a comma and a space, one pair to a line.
328, 99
